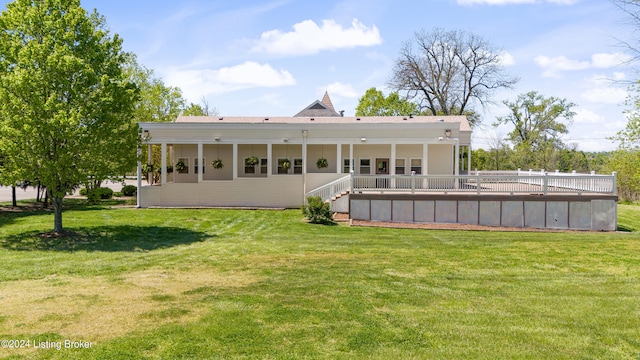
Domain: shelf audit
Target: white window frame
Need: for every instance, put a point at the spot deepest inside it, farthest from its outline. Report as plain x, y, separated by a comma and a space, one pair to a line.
404, 166
411, 166
360, 166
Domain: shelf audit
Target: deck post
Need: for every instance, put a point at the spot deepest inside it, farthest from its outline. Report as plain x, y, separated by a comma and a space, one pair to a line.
139, 173
615, 187
163, 164
545, 183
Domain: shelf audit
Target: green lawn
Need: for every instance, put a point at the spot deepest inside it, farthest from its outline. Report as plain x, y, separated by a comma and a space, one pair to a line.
170, 283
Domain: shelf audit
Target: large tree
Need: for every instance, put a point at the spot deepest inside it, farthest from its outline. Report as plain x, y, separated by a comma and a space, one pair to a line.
65, 104
374, 103
538, 124
449, 72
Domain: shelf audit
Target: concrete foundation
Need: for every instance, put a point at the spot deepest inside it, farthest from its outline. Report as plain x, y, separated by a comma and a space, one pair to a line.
577, 212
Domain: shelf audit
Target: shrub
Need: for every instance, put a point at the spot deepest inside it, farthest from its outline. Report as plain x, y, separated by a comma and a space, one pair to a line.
129, 190
102, 193
318, 211
83, 192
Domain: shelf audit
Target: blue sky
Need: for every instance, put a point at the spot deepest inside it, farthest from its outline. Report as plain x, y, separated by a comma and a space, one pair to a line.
276, 57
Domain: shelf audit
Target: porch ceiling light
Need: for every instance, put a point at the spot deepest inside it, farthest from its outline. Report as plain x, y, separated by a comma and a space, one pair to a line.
363, 139
217, 138
447, 132
285, 140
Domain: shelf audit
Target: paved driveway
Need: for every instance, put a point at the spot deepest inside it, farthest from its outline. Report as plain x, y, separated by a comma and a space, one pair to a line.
30, 193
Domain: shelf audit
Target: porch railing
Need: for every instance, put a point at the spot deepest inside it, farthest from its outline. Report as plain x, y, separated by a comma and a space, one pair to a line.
332, 189
520, 182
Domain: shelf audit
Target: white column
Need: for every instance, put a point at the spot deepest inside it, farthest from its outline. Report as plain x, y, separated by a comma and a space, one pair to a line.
269, 159
304, 165
149, 160
139, 190
351, 158
425, 164
200, 163
469, 159
392, 160
425, 159
163, 164
235, 161
456, 171
338, 158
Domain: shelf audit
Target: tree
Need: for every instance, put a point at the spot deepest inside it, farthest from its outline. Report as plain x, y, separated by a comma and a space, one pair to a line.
65, 104
374, 103
448, 72
202, 109
158, 102
538, 123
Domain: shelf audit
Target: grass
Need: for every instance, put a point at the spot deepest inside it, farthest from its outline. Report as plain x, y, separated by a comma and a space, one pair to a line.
170, 283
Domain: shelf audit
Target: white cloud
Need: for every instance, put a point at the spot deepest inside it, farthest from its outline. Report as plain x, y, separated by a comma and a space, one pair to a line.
606, 61
309, 38
584, 116
603, 89
196, 83
553, 66
507, 59
339, 89
509, 2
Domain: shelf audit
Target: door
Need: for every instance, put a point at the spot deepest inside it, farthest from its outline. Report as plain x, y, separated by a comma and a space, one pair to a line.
382, 168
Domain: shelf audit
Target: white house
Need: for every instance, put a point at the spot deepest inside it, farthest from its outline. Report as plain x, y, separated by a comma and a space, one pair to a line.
287, 151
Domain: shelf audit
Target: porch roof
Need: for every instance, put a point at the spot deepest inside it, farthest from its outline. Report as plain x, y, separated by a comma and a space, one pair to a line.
461, 120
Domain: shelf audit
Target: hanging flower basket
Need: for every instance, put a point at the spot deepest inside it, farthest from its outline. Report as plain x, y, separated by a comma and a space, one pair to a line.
217, 164
147, 169
169, 169
180, 166
252, 160
322, 163
286, 164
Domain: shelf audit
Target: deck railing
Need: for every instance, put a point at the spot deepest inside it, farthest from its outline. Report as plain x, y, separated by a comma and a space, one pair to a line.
332, 189
520, 182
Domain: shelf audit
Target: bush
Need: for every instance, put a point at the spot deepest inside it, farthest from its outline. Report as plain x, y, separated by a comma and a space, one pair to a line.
129, 190
83, 192
102, 193
318, 211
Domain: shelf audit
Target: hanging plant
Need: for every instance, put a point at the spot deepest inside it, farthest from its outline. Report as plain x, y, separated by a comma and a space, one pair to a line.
322, 163
169, 169
217, 164
252, 160
286, 164
181, 166
147, 169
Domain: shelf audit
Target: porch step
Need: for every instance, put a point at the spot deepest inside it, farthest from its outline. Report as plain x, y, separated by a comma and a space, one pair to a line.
338, 196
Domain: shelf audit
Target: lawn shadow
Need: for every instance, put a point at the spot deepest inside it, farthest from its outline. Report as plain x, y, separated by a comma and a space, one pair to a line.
105, 238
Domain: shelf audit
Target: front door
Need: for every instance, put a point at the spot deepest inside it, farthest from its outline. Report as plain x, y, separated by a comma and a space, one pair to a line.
382, 168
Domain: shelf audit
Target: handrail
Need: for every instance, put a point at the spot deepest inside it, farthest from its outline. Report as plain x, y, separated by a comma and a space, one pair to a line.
480, 183
331, 189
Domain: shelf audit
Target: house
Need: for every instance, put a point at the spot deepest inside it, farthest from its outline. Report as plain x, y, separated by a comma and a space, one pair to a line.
274, 161
391, 168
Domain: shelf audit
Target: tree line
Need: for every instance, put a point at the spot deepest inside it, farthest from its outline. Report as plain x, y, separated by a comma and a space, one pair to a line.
71, 98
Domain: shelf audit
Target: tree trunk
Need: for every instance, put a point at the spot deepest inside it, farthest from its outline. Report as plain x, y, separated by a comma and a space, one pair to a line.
57, 214
14, 202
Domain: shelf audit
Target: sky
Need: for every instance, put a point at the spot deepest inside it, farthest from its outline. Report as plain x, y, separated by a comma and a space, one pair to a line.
274, 58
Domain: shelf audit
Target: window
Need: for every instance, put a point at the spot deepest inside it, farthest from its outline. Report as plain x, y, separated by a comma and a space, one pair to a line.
297, 166
196, 167
346, 166
399, 166
248, 167
264, 168
365, 166
416, 166
260, 168
182, 166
